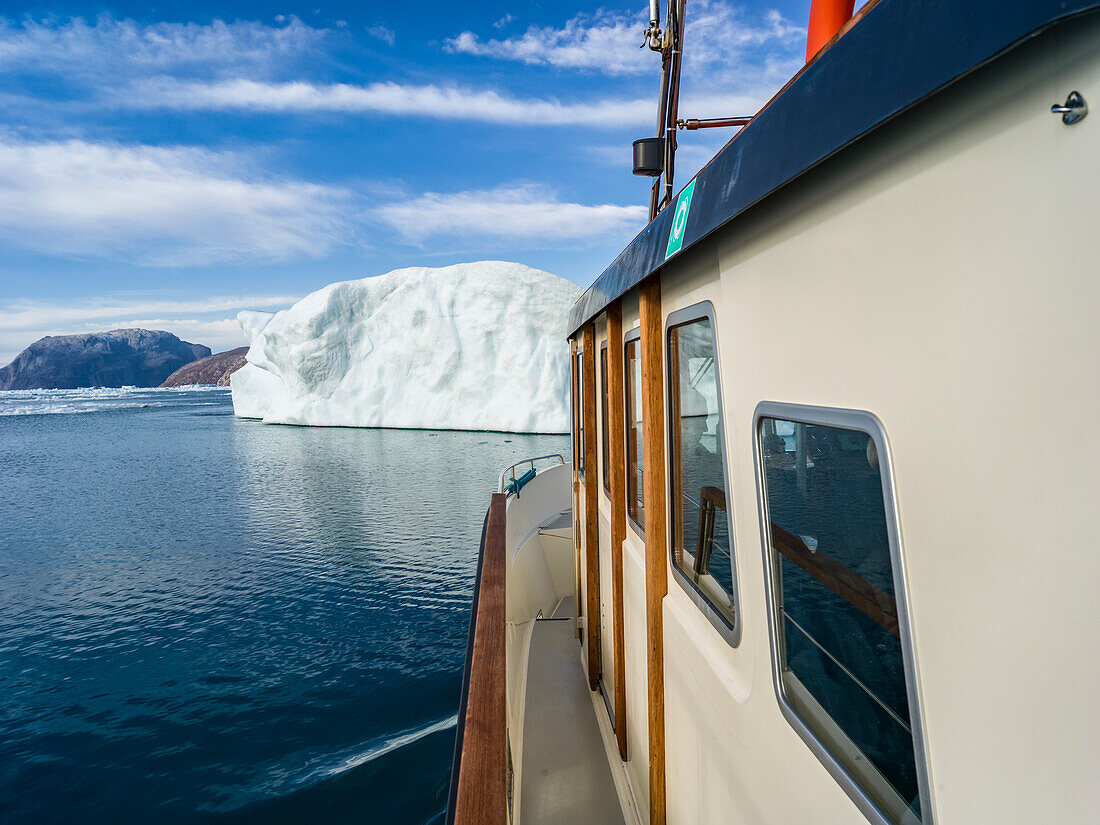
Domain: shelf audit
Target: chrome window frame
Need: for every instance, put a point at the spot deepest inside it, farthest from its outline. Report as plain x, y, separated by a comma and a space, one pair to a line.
604, 424
869, 424
631, 336
582, 465
731, 632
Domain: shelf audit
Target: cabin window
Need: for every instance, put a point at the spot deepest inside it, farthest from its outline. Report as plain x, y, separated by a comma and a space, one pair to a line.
635, 498
833, 553
603, 419
580, 413
573, 406
701, 544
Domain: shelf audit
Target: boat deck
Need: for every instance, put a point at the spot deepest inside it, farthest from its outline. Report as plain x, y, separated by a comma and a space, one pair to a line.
566, 777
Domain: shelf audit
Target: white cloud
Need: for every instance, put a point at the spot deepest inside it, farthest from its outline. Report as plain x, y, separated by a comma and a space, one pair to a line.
24, 315
161, 206
717, 37
382, 33
441, 102
517, 211
504, 21
110, 48
606, 41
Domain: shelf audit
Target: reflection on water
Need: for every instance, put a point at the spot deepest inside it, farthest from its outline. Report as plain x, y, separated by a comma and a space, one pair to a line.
208, 619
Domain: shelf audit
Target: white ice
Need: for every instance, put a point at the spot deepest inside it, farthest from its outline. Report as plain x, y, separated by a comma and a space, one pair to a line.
478, 346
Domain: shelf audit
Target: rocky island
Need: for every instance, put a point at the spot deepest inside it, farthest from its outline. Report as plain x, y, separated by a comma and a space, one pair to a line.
214, 369
118, 358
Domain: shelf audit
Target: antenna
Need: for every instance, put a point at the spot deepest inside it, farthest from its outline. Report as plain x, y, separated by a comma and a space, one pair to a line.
656, 156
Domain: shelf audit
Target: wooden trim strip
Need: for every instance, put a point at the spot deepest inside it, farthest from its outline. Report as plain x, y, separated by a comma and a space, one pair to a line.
591, 488
617, 461
482, 796
656, 535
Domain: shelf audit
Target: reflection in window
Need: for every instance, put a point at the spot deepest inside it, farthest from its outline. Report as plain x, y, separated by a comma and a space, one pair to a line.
700, 529
603, 416
580, 412
635, 498
842, 667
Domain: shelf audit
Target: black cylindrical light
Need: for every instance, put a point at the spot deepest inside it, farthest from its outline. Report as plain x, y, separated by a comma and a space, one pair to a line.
649, 156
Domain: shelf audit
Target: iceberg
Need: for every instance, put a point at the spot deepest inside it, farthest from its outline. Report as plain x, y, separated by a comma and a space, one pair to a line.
476, 346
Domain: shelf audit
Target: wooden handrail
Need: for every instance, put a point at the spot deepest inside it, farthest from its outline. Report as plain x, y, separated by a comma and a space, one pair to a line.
870, 600
713, 495
480, 772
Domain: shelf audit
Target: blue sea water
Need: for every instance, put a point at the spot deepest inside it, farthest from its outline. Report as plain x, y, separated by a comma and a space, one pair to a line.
205, 619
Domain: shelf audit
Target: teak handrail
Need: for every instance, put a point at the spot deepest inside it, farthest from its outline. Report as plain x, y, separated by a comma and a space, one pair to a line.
479, 776
872, 601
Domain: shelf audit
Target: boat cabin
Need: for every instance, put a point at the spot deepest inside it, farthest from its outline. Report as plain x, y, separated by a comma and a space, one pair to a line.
818, 555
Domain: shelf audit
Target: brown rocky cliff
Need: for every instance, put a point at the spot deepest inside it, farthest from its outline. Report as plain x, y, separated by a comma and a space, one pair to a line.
214, 369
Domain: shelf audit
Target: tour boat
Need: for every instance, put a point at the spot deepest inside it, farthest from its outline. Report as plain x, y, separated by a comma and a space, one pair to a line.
818, 555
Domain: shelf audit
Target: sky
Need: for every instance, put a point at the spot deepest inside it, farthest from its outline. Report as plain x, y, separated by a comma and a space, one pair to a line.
166, 166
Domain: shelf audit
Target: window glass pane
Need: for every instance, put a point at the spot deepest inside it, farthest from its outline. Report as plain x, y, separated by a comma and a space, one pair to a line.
603, 415
842, 661
635, 498
580, 413
573, 406
701, 543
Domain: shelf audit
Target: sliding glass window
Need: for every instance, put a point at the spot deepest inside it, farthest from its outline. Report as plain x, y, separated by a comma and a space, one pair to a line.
580, 412
604, 467
701, 541
837, 603
635, 492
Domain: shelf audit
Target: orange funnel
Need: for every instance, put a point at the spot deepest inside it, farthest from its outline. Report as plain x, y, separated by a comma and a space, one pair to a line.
826, 19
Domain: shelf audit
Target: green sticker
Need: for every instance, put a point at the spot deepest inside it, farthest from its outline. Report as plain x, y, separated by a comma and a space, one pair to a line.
679, 221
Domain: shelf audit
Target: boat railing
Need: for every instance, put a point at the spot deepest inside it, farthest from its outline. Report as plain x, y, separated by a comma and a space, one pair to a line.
710, 500
875, 603
510, 484
874, 697
871, 601
479, 774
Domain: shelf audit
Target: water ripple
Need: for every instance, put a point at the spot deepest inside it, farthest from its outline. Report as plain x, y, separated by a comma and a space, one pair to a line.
207, 619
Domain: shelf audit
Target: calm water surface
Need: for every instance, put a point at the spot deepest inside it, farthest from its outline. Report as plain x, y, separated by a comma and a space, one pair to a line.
204, 619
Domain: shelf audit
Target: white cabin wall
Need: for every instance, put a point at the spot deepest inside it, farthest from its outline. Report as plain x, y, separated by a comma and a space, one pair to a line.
534, 581
941, 276
730, 754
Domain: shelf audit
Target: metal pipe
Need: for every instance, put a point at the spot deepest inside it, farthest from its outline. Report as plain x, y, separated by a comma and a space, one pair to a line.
653, 36
676, 35
712, 122
662, 108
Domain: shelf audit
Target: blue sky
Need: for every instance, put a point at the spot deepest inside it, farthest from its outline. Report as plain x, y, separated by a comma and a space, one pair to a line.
168, 166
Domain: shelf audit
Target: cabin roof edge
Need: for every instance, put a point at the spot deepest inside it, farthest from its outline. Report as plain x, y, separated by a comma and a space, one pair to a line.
901, 53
